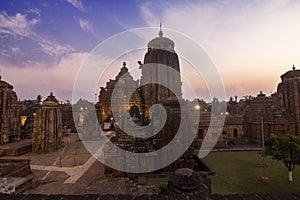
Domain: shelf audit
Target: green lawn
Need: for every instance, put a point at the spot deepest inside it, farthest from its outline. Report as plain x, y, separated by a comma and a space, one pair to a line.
240, 172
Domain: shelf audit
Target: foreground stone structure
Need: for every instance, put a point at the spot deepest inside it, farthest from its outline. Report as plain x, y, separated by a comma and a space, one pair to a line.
47, 126
270, 196
15, 175
187, 181
9, 114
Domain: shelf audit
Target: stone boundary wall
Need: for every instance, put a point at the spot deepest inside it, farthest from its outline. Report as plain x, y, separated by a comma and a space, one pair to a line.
270, 196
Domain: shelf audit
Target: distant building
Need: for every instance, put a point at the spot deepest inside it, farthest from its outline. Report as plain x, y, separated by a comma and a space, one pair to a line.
231, 133
84, 120
275, 120
9, 114
28, 109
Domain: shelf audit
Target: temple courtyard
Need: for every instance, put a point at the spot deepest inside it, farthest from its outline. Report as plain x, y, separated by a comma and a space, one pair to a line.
72, 170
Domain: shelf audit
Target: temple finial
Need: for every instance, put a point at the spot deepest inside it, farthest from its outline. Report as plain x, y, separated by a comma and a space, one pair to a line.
160, 30
124, 64
294, 67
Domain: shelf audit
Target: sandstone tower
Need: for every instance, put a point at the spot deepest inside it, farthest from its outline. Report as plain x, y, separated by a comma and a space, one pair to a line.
160, 84
160, 52
288, 95
9, 114
46, 135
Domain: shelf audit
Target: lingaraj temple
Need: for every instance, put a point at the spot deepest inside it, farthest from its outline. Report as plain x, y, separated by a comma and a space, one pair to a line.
45, 122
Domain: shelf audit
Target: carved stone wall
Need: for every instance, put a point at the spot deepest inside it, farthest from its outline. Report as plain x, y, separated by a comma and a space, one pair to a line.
47, 126
9, 114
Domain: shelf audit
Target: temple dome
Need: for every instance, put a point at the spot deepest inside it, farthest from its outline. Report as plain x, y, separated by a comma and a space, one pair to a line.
4, 84
161, 42
50, 100
185, 179
294, 73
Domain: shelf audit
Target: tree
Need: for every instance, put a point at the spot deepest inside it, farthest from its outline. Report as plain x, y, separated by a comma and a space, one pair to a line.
286, 149
39, 98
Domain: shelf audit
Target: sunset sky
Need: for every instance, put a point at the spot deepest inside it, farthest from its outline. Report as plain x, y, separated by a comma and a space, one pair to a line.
43, 43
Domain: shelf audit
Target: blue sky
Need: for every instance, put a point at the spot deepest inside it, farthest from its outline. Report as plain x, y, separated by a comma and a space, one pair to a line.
44, 31
43, 43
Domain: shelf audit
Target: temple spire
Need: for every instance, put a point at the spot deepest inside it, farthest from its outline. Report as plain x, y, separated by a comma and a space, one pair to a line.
160, 30
294, 67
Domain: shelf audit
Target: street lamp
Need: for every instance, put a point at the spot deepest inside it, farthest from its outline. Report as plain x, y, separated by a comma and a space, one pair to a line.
264, 178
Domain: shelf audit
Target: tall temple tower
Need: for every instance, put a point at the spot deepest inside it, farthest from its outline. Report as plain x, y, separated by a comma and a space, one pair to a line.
160, 52
288, 95
9, 114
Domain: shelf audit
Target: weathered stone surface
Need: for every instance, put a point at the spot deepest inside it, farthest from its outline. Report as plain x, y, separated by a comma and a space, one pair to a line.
143, 197
158, 197
275, 120
216, 197
288, 96
178, 196
47, 129
185, 179
273, 196
10, 129
124, 197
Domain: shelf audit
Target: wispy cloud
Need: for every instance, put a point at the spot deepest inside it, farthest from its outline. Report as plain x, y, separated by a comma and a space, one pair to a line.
87, 26
77, 4
5, 52
35, 11
53, 49
19, 26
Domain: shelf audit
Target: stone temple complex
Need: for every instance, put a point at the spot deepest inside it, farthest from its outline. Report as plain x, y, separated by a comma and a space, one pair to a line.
42, 121
45, 123
279, 112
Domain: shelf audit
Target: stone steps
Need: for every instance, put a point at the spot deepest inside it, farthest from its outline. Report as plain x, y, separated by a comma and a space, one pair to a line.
2, 152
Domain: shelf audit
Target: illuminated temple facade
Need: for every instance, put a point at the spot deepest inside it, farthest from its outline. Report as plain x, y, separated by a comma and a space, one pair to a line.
160, 84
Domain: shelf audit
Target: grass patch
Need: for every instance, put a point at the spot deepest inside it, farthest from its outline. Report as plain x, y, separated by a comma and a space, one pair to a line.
240, 172
160, 183
157, 181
